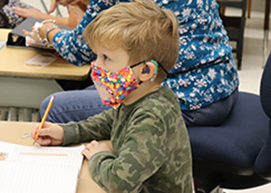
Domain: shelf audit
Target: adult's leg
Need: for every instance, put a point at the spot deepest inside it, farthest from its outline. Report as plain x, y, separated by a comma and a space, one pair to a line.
213, 114
73, 105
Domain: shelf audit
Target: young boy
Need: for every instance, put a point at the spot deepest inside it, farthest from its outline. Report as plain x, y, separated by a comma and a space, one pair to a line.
136, 45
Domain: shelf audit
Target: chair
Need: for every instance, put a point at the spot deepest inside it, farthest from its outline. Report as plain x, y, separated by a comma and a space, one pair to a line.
237, 153
235, 25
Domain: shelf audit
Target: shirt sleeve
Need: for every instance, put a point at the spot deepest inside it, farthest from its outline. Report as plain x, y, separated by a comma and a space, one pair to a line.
71, 45
140, 156
97, 127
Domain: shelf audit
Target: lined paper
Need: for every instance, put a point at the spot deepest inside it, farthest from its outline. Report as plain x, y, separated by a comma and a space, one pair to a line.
39, 173
24, 177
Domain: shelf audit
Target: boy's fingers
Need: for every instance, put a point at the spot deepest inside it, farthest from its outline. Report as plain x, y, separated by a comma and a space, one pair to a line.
34, 131
83, 151
33, 134
44, 142
45, 132
88, 146
94, 142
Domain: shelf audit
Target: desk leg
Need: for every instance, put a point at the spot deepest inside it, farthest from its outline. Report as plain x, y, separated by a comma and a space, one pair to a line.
25, 92
266, 30
27, 113
4, 114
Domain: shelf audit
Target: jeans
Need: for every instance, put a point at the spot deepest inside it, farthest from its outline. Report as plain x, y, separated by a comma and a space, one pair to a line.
73, 105
213, 114
78, 105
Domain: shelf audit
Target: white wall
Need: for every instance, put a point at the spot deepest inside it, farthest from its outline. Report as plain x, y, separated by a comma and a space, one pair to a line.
38, 4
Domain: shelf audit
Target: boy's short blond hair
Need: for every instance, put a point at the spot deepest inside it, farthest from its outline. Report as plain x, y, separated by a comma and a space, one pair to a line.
141, 28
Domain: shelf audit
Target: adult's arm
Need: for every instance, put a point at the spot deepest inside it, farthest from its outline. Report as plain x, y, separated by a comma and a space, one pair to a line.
71, 21
71, 45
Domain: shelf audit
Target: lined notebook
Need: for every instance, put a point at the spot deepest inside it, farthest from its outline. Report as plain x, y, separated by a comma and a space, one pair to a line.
39, 169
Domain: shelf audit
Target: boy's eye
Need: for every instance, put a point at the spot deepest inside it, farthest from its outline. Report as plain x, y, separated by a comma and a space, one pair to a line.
105, 57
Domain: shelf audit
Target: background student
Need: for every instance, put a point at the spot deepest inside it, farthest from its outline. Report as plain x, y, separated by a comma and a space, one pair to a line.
14, 12
136, 45
8, 18
204, 78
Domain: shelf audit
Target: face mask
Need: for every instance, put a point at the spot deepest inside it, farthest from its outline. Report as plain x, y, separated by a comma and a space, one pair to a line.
114, 87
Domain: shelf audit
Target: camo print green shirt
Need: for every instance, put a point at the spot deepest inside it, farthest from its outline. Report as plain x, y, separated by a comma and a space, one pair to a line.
150, 143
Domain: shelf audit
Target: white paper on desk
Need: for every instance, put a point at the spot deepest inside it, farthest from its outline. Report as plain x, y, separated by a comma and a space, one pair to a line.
40, 60
2, 44
29, 178
31, 172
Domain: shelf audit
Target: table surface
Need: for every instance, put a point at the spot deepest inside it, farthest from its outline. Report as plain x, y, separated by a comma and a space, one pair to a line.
13, 131
13, 59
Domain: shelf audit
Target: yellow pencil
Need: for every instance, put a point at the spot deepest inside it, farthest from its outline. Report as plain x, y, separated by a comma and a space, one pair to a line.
45, 116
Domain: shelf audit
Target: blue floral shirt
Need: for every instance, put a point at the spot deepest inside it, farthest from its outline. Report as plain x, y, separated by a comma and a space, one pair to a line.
205, 71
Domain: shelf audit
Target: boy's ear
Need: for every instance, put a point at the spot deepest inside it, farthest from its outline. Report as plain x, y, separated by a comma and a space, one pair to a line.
149, 71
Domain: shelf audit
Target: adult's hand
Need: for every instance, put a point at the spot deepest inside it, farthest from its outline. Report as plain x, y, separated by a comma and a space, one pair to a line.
24, 12
61, 2
52, 6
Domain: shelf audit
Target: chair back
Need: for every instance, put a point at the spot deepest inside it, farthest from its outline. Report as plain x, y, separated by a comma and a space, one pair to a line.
263, 161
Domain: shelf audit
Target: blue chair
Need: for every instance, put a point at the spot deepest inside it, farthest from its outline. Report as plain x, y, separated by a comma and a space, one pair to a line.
237, 153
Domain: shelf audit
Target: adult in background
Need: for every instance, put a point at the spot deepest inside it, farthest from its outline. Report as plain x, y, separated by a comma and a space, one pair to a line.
204, 78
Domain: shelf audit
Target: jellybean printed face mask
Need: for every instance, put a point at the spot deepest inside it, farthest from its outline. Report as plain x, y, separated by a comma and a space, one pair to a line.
114, 87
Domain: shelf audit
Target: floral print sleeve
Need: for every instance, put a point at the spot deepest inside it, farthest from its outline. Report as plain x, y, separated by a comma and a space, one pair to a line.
71, 44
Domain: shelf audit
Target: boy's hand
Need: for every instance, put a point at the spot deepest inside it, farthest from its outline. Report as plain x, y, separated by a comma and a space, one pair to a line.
95, 147
50, 134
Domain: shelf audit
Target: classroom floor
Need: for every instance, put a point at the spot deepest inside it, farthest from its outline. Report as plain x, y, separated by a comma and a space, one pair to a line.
252, 62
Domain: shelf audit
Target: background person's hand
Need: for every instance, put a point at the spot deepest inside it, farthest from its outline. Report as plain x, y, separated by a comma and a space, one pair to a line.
61, 2
52, 6
50, 134
24, 12
31, 34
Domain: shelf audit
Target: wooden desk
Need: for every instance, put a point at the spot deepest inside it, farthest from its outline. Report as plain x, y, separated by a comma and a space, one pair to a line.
12, 131
23, 87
